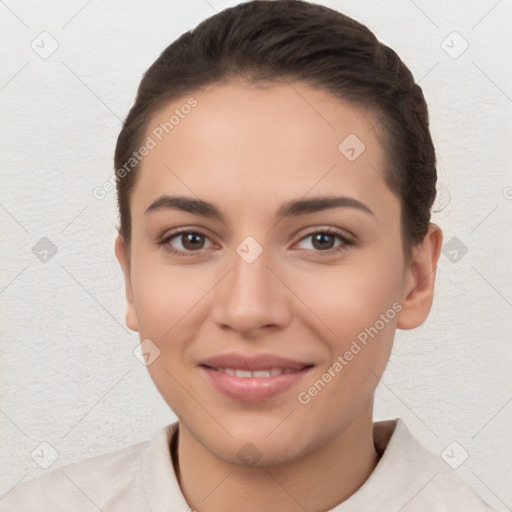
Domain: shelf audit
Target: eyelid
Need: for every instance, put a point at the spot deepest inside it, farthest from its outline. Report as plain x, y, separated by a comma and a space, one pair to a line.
342, 233
170, 233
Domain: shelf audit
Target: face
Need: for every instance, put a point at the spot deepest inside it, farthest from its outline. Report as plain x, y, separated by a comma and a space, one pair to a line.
266, 266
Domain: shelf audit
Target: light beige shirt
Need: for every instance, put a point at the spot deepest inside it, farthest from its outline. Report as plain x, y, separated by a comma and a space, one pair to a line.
141, 478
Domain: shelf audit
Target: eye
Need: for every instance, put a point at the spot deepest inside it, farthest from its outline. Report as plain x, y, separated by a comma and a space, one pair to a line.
324, 241
186, 242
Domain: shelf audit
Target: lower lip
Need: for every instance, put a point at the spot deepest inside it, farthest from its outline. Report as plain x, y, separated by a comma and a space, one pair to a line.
253, 389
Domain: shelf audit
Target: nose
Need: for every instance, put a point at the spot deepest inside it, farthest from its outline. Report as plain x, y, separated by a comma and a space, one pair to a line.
251, 300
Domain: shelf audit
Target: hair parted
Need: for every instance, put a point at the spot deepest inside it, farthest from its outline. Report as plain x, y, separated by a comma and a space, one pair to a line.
293, 40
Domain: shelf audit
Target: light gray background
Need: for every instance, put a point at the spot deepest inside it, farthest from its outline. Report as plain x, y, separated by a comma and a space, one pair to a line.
69, 377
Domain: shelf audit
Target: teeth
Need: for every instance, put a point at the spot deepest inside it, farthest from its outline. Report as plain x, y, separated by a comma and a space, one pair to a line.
262, 373
272, 372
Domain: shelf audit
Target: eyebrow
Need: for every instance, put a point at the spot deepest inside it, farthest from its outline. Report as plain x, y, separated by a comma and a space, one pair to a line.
289, 209
185, 204
304, 206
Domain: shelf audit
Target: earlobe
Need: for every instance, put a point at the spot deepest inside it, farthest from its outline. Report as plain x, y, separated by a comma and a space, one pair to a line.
123, 258
418, 292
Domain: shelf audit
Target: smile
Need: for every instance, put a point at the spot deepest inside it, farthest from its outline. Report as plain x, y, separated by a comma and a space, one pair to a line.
254, 378
272, 372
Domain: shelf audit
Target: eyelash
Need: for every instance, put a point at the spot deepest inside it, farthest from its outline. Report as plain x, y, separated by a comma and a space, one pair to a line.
345, 242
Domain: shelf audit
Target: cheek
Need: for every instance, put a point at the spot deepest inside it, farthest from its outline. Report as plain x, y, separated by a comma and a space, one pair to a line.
350, 299
169, 303
361, 311
358, 305
165, 296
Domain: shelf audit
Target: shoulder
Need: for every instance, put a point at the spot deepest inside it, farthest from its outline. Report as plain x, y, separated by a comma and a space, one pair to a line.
409, 476
103, 481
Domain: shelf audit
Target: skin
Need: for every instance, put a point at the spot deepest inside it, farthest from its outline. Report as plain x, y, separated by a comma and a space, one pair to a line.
249, 149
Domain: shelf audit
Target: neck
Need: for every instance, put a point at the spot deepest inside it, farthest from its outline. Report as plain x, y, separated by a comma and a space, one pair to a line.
319, 480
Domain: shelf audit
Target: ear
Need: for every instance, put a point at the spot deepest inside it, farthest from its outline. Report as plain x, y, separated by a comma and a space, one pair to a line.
418, 292
123, 257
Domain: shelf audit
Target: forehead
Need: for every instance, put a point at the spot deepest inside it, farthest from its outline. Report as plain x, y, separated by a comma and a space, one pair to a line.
272, 140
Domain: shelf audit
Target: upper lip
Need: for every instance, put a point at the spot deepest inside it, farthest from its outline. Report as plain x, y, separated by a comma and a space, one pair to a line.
253, 363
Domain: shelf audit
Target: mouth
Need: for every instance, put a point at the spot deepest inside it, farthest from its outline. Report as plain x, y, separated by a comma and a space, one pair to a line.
260, 374
253, 379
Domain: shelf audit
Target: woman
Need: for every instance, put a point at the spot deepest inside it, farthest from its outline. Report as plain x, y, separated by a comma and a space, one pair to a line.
275, 178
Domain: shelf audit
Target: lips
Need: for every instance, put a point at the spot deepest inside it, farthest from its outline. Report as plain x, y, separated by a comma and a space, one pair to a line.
261, 362
272, 372
253, 378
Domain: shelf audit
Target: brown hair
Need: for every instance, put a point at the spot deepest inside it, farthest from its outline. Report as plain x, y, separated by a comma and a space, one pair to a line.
264, 41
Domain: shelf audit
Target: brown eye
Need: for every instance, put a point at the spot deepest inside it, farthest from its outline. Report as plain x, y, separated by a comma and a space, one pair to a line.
192, 241
323, 241
326, 242
186, 242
